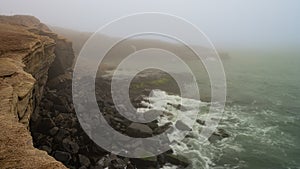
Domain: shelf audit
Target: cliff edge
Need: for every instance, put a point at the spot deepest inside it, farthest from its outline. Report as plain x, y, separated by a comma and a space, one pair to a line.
28, 51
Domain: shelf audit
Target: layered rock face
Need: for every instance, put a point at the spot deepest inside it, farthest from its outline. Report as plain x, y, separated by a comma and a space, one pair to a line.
27, 50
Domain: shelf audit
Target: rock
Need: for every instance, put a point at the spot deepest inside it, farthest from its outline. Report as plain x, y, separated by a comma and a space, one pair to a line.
60, 108
145, 162
161, 159
218, 135
177, 160
53, 131
84, 161
62, 156
130, 166
7, 68
96, 167
25, 57
182, 126
201, 122
104, 162
150, 159
163, 128
62, 133
70, 146
45, 125
46, 148
151, 114
178, 106
139, 98
64, 57
118, 163
59, 120
139, 130
153, 125
57, 102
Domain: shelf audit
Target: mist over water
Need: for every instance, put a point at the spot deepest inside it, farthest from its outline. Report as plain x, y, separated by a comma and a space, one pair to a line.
263, 91
261, 115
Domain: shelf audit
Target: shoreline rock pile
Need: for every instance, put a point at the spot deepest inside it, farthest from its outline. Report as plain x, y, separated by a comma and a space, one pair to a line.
56, 130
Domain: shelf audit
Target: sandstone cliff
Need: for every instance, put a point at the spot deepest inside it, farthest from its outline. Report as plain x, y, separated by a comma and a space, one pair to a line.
27, 51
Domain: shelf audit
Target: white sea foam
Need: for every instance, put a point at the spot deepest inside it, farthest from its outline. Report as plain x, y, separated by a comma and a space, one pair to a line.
239, 123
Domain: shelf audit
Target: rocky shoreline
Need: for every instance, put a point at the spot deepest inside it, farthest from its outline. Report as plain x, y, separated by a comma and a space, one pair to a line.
36, 94
57, 131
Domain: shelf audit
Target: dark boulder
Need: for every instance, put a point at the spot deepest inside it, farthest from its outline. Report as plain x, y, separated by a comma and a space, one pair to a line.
44, 125
201, 122
139, 130
177, 160
118, 163
70, 146
84, 161
152, 114
53, 131
46, 148
104, 162
62, 133
218, 135
62, 156
162, 129
147, 162
182, 126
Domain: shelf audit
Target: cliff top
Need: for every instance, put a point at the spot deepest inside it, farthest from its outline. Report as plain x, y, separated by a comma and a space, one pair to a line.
22, 45
16, 35
13, 38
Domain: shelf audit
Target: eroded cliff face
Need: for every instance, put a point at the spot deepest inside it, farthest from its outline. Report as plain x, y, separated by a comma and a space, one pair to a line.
27, 51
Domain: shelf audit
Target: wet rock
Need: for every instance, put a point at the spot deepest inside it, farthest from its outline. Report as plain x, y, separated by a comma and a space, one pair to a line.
177, 160
182, 126
178, 106
84, 161
150, 159
151, 114
218, 135
153, 125
163, 128
145, 162
170, 151
201, 122
70, 146
62, 156
139, 130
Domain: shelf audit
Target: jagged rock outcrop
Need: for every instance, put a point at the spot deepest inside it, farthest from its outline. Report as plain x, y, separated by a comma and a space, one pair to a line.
27, 50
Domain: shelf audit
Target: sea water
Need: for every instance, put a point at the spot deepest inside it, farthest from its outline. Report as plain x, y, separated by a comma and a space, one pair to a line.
262, 116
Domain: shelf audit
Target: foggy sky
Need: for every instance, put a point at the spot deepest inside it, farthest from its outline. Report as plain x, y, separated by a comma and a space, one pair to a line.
228, 23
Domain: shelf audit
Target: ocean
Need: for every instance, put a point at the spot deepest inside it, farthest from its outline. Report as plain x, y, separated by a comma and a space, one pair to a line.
262, 116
